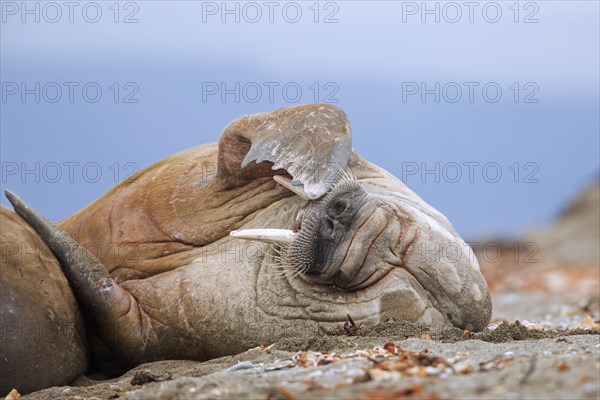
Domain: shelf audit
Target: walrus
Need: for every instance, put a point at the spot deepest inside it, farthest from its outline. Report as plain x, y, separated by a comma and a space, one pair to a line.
277, 230
42, 338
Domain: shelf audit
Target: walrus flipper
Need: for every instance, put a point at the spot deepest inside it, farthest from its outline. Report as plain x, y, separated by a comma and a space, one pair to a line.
94, 288
311, 142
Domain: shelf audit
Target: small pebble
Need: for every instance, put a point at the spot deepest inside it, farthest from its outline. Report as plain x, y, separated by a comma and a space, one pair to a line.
241, 365
432, 371
591, 388
315, 373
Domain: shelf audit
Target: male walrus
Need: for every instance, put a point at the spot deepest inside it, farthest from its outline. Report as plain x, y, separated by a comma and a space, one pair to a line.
328, 235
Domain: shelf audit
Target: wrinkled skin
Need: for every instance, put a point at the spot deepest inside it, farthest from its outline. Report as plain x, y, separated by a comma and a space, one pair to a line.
169, 281
42, 341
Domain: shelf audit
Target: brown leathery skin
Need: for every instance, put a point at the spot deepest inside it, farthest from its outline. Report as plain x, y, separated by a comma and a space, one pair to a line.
155, 220
42, 337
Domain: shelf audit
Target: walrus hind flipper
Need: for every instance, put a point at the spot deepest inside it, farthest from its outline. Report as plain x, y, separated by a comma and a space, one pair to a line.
311, 142
92, 284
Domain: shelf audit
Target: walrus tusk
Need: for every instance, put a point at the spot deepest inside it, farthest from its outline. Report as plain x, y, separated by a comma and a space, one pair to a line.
279, 236
286, 182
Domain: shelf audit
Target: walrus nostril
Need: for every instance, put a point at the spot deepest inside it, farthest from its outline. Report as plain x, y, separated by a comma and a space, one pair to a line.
329, 226
339, 207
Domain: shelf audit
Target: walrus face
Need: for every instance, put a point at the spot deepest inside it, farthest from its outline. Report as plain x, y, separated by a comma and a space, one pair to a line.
349, 239
358, 235
322, 228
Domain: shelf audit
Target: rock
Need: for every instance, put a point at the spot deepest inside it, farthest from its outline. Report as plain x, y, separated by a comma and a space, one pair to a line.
575, 236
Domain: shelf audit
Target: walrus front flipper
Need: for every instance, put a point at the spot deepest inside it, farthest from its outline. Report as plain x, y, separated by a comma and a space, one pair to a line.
111, 305
311, 142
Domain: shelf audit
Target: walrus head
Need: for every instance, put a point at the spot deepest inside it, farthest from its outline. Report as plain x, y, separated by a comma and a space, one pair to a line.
358, 233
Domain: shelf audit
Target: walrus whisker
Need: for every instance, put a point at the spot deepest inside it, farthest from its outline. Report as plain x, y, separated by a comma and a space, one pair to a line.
278, 254
279, 236
279, 258
279, 272
287, 183
344, 175
279, 261
299, 271
280, 266
276, 263
276, 251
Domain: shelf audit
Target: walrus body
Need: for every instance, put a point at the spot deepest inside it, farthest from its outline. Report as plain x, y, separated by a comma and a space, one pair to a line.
344, 237
42, 341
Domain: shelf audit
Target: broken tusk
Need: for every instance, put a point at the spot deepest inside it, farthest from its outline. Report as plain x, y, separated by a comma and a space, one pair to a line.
299, 190
279, 236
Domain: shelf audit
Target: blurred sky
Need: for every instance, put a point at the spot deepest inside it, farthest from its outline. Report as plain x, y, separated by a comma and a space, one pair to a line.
369, 57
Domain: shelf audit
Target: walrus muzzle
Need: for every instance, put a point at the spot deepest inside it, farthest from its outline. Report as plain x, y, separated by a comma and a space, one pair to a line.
323, 227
